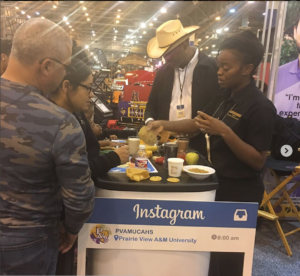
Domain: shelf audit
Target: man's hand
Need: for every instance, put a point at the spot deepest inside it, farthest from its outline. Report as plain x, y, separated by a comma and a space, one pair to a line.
66, 240
155, 126
123, 153
210, 125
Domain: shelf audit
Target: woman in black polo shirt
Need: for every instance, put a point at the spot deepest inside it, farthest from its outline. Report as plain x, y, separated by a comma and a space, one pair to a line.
238, 125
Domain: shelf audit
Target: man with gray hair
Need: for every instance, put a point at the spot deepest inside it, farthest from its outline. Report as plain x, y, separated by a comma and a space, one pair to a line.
43, 156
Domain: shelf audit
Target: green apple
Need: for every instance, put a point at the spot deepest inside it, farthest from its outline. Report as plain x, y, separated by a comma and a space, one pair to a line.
192, 158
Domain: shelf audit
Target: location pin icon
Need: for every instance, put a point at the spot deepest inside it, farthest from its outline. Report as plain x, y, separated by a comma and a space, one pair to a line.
116, 237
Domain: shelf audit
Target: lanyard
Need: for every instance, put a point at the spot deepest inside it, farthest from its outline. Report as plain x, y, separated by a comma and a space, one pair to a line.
181, 85
208, 136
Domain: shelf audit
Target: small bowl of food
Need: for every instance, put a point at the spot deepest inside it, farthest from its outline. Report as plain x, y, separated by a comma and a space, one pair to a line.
199, 172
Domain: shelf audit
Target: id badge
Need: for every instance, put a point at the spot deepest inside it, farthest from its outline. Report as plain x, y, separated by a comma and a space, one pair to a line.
180, 111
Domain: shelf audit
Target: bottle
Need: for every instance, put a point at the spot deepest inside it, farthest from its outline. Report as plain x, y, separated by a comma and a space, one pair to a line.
141, 158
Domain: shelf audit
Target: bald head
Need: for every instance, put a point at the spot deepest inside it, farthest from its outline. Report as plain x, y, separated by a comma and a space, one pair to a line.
37, 39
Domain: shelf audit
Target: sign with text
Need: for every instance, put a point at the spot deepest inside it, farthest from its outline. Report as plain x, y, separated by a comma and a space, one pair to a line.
171, 226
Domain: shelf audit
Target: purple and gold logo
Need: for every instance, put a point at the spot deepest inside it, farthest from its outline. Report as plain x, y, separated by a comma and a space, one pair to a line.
100, 233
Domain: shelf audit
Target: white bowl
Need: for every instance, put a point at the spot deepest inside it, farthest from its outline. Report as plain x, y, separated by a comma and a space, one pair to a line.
199, 175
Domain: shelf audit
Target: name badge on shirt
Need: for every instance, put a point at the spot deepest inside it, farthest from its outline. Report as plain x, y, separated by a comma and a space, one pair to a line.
180, 111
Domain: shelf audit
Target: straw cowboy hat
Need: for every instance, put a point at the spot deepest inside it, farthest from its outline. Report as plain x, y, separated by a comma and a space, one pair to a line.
168, 36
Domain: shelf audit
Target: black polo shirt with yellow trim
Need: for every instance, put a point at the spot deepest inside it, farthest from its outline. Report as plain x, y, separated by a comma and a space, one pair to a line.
252, 117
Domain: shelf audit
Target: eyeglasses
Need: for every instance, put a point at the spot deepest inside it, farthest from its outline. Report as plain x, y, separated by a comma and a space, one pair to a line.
88, 88
69, 69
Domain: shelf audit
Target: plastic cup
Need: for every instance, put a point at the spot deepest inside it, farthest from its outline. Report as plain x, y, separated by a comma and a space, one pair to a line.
175, 166
134, 144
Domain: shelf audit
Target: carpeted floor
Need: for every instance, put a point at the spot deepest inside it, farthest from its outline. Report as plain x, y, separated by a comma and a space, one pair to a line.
270, 257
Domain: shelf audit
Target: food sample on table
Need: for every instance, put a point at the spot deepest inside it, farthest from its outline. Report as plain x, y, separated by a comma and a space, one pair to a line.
152, 148
149, 137
149, 153
137, 174
155, 178
173, 179
155, 157
159, 160
196, 170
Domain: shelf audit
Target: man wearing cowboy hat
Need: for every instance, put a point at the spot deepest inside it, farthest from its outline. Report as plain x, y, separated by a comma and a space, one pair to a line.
186, 83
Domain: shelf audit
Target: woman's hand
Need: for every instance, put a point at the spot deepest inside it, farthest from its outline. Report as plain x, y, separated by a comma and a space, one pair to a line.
210, 125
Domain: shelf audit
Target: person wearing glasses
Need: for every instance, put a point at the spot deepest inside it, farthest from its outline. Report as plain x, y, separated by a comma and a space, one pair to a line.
44, 163
74, 95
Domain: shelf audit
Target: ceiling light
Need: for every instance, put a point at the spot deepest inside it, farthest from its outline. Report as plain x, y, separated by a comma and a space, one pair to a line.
84, 8
144, 32
43, 17
155, 19
206, 47
94, 34
232, 11
250, 2
93, 31
81, 2
218, 18
127, 36
118, 16
28, 16
54, 6
218, 31
145, 56
116, 31
131, 41
264, 13
70, 26
88, 19
98, 61
226, 29
119, 10
37, 13
163, 10
207, 36
67, 23
117, 21
140, 36
199, 39
86, 46
122, 55
16, 8
214, 52
65, 18
213, 46
86, 14
143, 25
136, 42
72, 30
23, 12
150, 24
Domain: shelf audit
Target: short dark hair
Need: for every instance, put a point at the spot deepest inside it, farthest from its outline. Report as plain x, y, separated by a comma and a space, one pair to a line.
249, 48
6, 46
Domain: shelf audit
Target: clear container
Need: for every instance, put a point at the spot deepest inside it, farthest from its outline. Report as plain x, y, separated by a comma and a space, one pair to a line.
141, 158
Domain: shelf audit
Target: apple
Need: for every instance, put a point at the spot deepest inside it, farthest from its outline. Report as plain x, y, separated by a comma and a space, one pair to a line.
192, 158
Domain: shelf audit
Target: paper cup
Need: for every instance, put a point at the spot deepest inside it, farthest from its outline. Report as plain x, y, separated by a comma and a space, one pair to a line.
175, 166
